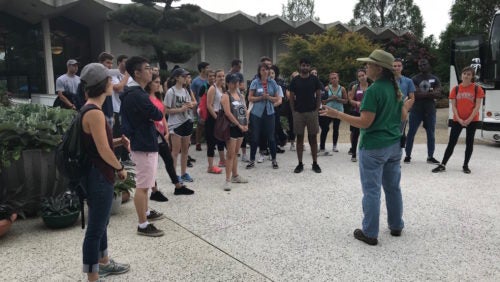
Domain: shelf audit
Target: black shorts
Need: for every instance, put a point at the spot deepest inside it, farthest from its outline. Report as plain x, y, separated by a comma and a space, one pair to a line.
235, 132
185, 129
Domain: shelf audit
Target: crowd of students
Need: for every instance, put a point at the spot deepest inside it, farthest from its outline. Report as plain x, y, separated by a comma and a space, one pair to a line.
130, 110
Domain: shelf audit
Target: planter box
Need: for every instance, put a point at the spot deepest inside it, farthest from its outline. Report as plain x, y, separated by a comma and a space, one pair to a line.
117, 202
61, 221
33, 176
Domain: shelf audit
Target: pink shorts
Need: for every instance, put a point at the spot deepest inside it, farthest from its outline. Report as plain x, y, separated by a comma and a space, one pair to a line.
146, 165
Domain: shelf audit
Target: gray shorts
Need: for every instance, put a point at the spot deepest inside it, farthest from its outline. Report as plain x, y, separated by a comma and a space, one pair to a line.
303, 120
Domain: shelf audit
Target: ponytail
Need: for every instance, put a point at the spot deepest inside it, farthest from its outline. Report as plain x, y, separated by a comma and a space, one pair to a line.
388, 74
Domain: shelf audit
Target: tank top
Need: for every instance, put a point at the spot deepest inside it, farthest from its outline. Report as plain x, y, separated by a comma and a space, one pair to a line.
160, 127
218, 96
238, 109
90, 147
358, 96
338, 93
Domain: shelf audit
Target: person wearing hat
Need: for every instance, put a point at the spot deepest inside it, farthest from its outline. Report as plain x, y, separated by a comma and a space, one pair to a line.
234, 107
179, 103
98, 145
381, 113
67, 86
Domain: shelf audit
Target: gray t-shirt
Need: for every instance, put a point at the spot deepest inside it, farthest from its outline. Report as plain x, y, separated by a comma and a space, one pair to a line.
67, 84
174, 99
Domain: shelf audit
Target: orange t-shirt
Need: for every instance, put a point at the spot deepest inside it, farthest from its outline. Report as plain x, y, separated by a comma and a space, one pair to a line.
466, 100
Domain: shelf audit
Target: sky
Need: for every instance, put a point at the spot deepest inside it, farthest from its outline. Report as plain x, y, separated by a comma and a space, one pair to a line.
435, 12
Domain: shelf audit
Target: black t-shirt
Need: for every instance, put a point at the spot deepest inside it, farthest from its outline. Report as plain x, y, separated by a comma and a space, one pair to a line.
424, 82
305, 92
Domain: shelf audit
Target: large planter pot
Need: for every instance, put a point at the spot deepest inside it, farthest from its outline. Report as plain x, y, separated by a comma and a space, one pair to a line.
125, 196
60, 221
117, 202
35, 172
5, 224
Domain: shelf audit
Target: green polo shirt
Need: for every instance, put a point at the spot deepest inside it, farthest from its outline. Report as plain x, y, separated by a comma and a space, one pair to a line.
385, 130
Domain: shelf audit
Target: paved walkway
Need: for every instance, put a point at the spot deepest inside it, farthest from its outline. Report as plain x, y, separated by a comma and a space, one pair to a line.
290, 227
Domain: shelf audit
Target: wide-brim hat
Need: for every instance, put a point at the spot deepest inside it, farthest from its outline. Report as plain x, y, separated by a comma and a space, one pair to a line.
379, 57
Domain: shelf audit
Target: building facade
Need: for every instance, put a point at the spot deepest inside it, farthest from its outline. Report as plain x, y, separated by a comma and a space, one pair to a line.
37, 37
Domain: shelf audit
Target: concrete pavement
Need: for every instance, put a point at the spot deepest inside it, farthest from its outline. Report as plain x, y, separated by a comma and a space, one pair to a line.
283, 226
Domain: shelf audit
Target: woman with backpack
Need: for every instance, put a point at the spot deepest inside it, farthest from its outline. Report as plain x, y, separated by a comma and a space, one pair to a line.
98, 144
466, 99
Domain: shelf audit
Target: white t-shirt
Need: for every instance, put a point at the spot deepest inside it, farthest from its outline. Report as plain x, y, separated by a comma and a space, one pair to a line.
116, 79
67, 84
174, 99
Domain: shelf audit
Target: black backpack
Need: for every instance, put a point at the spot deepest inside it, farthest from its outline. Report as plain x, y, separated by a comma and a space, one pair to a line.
71, 159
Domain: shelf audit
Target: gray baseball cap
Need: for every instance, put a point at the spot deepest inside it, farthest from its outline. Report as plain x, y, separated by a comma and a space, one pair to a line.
94, 73
71, 62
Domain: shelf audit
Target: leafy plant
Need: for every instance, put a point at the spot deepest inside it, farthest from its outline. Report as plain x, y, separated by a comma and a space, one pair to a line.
126, 185
30, 126
61, 204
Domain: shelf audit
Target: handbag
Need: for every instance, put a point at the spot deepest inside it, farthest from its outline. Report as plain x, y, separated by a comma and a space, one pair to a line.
221, 128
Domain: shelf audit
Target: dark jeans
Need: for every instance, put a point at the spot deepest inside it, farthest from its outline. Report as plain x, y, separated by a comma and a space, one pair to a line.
354, 136
166, 155
280, 135
99, 200
456, 129
428, 117
290, 133
265, 126
324, 123
120, 151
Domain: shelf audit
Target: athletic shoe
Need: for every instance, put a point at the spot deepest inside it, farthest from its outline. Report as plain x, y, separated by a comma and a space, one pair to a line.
158, 196
407, 160
180, 179
432, 160
226, 186
222, 164
353, 159
250, 165
154, 215
324, 153
335, 149
150, 231
439, 168
113, 268
316, 168
198, 147
292, 147
466, 169
244, 158
358, 234
189, 164
183, 191
260, 159
186, 177
265, 152
299, 168
238, 179
215, 170
350, 151
191, 159
279, 150
275, 165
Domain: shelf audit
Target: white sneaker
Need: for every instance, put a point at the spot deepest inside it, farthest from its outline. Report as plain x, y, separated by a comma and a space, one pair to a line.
260, 159
226, 186
239, 179
244, 158
335, 149
292, 147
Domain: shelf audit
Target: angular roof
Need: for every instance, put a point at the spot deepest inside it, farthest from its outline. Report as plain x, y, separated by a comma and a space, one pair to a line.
90, 12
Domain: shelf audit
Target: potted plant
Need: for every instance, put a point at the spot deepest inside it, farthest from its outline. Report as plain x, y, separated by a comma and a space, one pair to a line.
125, 186
28, 135
60, 211
8, 214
